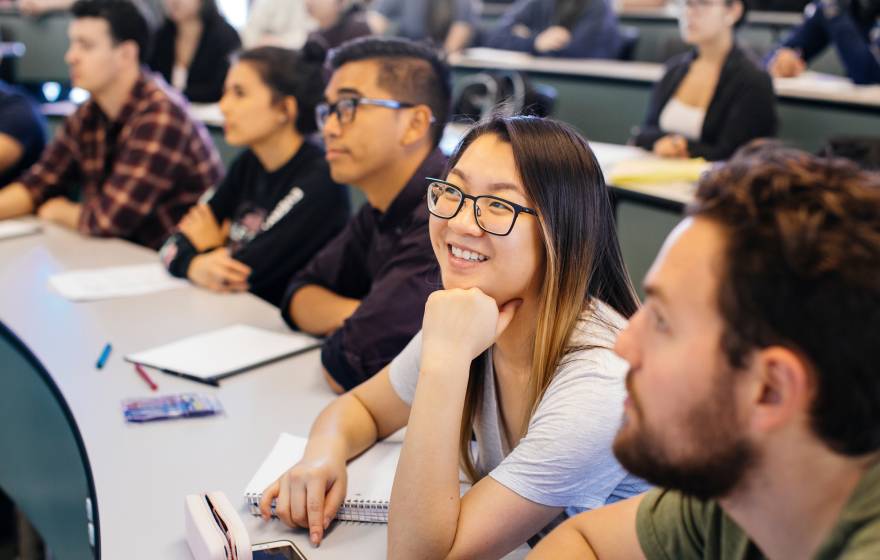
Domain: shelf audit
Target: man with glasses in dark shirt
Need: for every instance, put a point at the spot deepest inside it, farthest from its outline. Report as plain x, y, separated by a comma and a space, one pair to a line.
386, 105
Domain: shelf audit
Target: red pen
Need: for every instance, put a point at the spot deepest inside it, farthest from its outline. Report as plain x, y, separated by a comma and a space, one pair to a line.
145, 377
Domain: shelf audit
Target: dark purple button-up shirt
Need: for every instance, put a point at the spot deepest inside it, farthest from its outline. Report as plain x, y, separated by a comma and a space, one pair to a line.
386, 261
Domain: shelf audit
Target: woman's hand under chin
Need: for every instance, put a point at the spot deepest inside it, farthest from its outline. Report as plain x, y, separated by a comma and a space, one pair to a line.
460, 324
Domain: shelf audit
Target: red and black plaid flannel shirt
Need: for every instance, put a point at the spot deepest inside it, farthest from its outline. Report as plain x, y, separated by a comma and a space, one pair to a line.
139, 185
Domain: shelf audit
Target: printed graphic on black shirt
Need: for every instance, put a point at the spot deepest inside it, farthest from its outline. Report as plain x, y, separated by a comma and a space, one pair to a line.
248, 224
251, 219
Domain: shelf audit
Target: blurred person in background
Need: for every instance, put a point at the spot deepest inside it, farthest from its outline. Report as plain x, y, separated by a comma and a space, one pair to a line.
192, 49
338, 21
282, 23
450, 24
714, 98
561, 28
851, 26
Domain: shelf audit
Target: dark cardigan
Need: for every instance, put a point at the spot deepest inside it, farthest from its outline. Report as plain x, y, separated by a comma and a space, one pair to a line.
743, 106
210, 62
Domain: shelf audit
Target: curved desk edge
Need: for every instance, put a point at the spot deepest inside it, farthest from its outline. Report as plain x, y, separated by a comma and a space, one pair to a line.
17, 345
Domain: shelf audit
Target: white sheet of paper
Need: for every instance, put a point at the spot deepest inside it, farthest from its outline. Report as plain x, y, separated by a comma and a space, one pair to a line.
370, 476
114, 282
16, 228
220, 352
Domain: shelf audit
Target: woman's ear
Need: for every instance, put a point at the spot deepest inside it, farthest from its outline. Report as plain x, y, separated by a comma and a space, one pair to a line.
290, 108
735, 12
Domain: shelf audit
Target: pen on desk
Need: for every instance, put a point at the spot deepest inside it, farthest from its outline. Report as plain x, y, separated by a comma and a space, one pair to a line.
142, 372
105, 353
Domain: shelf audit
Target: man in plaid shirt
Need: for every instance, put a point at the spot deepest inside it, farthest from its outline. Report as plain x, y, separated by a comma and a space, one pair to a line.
138, 157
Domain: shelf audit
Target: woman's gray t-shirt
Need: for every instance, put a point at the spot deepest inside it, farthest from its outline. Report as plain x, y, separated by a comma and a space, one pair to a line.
565, 458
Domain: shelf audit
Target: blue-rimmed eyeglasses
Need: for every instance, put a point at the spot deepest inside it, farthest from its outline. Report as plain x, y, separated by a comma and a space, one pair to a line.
493, 214
346, 108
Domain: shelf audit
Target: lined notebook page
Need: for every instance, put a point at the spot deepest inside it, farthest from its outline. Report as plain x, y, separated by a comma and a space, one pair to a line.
370, 478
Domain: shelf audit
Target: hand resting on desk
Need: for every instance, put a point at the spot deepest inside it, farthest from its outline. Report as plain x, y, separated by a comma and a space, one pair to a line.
219, 272
786, 63
671, 146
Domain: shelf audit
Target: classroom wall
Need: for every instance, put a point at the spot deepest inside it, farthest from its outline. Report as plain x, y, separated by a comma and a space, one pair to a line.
46, 41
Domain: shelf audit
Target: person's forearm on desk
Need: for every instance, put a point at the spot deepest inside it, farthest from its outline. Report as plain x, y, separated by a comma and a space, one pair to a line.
11, 152
61, 211
310, 493
317, 310
608, 533
459, 37
15, 200
427, 506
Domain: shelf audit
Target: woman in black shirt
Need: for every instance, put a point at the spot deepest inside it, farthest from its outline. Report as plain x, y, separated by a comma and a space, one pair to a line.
192, 48
714, 98
277, 205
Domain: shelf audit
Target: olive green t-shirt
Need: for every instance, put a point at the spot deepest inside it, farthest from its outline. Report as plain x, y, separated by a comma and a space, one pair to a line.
671, 526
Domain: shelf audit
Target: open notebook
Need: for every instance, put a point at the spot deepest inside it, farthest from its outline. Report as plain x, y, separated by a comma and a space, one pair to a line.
657, 170
114, 281
15, 228
370, 478
211, 356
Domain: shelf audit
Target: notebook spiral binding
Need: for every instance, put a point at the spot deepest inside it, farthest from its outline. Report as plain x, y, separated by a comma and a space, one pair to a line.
369, 511
364, 511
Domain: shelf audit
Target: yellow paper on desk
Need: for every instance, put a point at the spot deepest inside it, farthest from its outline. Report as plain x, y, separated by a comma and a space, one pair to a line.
656, 171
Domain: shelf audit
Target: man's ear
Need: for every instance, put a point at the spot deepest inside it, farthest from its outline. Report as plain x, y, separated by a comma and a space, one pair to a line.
418, 125
130, 52
784, 388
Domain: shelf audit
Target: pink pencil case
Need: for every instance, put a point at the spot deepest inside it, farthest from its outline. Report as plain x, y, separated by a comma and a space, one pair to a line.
214, 531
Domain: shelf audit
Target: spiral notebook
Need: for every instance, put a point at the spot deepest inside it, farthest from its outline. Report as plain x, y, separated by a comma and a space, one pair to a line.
370, 478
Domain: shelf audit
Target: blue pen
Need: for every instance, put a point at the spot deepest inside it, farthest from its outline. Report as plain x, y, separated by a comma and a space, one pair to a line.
104, 354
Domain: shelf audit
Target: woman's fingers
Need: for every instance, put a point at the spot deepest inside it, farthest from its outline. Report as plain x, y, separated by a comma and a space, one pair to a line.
315, 489
269, 494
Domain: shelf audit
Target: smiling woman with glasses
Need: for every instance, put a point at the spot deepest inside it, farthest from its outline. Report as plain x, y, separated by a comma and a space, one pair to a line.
515, 349
493, 214
714, 98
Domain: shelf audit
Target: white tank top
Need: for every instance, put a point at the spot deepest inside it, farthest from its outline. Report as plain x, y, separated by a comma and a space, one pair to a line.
179, 76
678, 118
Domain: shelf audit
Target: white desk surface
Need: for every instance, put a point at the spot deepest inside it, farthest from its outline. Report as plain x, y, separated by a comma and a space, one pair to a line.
811, 86
670, 11
143, 472
483, 57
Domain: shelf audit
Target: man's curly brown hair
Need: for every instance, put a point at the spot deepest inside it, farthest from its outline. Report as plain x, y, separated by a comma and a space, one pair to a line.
801, 269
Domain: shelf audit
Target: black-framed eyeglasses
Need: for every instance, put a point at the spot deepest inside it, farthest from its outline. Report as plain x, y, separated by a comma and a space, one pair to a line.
698, 5
493, 214
346, 108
